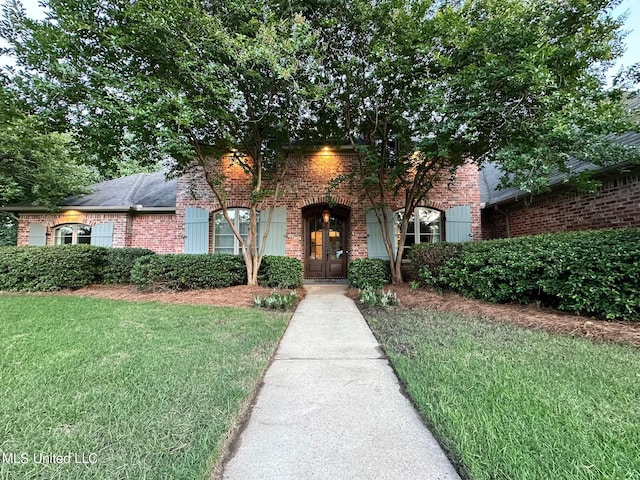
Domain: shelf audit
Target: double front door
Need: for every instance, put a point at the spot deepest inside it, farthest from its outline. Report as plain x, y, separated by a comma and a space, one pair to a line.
325, 245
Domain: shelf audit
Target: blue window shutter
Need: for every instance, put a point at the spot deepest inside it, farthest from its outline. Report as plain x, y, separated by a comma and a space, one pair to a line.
458, 224
37, 234
276, 241
196, 230
375, 242
102, 234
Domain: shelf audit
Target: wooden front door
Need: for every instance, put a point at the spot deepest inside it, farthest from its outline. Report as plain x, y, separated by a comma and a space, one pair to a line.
326, 247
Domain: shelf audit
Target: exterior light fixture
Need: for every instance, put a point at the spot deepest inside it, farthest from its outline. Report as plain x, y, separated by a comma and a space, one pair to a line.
326, 216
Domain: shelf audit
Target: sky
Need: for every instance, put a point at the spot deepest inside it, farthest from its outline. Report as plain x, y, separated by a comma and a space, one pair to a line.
632, 25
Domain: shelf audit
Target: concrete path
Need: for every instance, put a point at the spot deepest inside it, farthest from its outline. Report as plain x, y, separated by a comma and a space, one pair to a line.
331, 407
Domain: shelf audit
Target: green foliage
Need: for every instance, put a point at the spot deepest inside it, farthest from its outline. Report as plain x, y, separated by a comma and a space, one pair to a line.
368, 272
280, 272
589, 272
277, 301
43, 269
36, 164
120, 263
428, 258
8, 230
430, 85
373, 297
186, 271
181, 80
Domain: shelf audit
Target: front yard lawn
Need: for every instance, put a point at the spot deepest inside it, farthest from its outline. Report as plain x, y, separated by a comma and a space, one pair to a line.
510, 403
102, 389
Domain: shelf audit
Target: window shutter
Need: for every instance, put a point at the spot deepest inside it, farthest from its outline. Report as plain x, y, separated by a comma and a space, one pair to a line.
276, 241
102, 234
458, 224
196, 230
37, 234
375, 242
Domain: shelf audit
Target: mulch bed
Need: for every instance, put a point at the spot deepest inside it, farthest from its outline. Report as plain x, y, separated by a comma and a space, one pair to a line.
238, 296
528, 316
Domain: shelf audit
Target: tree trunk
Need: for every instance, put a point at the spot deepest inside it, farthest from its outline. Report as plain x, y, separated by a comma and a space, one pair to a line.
396, 270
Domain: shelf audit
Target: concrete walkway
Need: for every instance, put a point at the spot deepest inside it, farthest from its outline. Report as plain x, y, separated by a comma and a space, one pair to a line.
331, 407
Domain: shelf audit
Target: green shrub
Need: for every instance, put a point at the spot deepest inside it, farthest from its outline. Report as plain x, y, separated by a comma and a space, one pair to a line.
377, 298
188, 271
45, 269
280, 272
120, 262
428, 258
589, 272
276, 301
369, 272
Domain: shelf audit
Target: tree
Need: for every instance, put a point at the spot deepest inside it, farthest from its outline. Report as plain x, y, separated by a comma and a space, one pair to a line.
420, 87
190, 80
36, 164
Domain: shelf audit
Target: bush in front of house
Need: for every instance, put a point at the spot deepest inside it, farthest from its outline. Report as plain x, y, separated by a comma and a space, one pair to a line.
369, 272
280, 272
120, 263
588, 272
188, 271
428, 258
51, 268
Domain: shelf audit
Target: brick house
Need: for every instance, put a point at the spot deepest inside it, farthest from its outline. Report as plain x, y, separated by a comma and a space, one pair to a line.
513, 213
183, 216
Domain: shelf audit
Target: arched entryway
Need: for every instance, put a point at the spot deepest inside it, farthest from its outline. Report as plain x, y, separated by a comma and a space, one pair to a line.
326, 241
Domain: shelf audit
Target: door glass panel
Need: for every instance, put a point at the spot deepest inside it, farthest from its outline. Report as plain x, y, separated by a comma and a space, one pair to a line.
315, 238
336, 239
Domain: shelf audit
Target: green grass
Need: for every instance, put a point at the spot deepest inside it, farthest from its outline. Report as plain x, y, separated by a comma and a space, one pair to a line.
509, 403
148, 390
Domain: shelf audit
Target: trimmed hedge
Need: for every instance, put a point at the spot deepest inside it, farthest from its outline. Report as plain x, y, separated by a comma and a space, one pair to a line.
280, 272
120, 263
590, 272
369, 272
188, 271
46, 269
427, 259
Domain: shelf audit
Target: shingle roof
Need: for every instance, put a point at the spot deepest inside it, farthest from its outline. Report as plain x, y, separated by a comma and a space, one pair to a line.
150, 190
490, 176
142, 191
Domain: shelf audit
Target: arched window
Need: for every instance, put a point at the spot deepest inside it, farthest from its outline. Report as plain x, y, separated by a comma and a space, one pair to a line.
424, 227
224, 241
72, 234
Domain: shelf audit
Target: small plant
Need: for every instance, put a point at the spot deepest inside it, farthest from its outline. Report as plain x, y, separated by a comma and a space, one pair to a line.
276, 301
378, 298
415, 286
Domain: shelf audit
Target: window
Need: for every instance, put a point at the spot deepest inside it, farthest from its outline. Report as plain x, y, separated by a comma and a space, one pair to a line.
72, 234
424, 227
224, 241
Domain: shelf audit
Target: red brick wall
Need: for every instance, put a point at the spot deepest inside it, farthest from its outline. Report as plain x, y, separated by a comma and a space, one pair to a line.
616, 205
157, 232
306, 184
52, 220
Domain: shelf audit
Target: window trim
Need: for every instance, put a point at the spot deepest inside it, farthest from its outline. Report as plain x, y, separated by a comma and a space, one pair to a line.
417, 233
236, 243
57, 240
